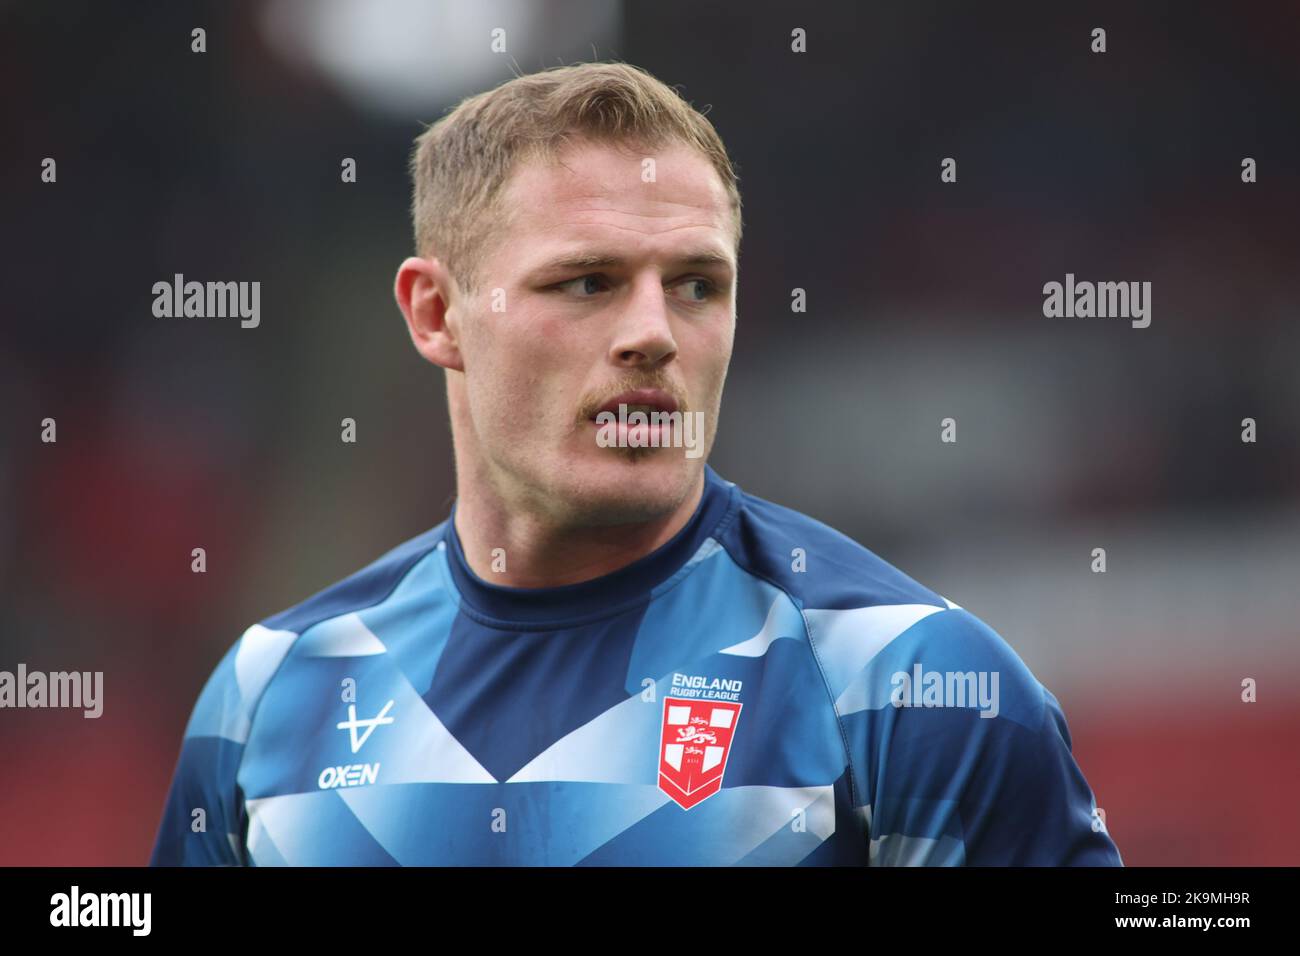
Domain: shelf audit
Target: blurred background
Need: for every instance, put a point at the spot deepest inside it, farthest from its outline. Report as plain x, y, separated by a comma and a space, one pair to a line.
924, 302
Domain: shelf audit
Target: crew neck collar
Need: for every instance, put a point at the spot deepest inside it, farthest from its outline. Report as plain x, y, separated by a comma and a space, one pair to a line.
600, 597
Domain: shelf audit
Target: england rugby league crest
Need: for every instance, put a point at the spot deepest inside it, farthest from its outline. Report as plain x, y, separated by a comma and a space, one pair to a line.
693, 747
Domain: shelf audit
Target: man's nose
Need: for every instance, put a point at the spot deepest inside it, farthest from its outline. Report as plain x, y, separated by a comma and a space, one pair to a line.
644, 335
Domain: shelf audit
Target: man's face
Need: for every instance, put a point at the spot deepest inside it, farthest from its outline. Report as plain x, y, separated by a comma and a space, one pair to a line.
604, 285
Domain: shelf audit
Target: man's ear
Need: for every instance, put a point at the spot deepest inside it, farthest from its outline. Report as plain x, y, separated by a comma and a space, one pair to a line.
425, 291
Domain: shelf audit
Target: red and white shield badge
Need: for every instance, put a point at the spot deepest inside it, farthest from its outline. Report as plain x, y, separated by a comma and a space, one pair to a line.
693, 747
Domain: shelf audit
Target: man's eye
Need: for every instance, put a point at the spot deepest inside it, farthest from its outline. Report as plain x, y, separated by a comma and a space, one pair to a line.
699, 289
584, 284
705, 290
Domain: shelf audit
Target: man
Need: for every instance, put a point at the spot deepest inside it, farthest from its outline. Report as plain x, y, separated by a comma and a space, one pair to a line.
608, 654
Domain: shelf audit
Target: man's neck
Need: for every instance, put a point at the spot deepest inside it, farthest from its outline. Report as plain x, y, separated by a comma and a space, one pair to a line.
536, 553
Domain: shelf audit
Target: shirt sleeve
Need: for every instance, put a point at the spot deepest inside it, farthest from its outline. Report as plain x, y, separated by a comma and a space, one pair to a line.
969, 760
202, 819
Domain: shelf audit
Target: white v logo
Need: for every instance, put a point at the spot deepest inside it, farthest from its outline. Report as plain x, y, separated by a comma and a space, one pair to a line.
351, 724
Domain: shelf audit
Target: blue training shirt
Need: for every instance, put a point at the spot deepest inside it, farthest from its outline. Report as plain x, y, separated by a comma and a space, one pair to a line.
761, 690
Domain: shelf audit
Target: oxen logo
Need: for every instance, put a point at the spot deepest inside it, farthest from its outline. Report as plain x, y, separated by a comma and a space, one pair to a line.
693, 747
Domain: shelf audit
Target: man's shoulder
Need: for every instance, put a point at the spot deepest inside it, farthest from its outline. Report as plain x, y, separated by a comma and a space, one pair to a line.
868, 618
229, 698
818, 565
362, 589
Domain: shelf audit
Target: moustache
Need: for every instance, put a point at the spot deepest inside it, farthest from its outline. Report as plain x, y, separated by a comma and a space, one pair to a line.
593, 402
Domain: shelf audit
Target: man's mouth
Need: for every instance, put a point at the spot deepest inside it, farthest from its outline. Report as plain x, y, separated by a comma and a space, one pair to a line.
648, 400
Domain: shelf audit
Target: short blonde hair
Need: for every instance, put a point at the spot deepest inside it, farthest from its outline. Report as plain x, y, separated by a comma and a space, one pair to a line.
460, 165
